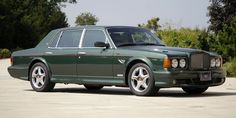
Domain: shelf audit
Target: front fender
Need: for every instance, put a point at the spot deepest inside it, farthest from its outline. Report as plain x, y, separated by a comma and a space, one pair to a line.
142, 59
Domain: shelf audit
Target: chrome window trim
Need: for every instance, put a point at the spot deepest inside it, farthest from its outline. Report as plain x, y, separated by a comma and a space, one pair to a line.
68, 47
106, 40
81, 38
110, 39
55, 39
105, 32
65, 48
91, 47
59, 38
51, 40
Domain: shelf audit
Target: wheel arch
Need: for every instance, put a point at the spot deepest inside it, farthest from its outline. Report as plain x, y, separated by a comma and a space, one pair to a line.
134, 61
36, 60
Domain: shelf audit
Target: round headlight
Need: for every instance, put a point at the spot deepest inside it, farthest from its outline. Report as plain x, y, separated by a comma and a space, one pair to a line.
213, 62
218, 63
182, 63
174, 63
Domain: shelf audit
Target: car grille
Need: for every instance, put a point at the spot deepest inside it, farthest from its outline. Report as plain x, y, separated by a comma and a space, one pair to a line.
200, 61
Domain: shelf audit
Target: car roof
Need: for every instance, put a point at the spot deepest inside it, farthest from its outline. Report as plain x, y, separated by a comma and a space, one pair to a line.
94, 27
44, 42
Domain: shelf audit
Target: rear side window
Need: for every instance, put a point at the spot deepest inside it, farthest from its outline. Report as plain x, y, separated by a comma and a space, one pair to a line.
54, 42
70, 38
92, 36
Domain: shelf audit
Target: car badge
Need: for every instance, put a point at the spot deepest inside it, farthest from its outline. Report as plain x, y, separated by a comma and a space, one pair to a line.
122, 61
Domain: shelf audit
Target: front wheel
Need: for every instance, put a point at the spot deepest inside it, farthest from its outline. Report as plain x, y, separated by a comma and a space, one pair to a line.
40, 78
194, 90
141, 80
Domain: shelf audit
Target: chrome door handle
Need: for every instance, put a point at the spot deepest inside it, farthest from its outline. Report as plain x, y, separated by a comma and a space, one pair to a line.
48, 52
82, 53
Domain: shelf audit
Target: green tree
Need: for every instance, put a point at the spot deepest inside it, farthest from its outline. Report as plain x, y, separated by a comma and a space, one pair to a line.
184, 37
225, 41
152, 24
23, 23
221, 12
86, 18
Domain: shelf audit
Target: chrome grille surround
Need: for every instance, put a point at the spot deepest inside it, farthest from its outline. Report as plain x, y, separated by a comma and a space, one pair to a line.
200, 61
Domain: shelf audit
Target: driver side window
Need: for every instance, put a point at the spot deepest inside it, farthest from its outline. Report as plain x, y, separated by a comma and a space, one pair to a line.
92, 36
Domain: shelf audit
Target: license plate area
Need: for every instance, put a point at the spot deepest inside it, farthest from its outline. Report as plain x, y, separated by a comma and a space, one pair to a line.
205, 76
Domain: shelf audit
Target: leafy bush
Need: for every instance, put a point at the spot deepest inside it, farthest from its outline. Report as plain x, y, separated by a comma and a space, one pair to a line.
5, 53
230, 68
184, 37
16, 49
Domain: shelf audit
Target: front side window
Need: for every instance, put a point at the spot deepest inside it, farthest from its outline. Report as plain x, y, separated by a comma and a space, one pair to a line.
92, 36
70, 38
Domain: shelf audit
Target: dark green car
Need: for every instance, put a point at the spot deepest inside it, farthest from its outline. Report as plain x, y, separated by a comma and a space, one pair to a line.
97, 56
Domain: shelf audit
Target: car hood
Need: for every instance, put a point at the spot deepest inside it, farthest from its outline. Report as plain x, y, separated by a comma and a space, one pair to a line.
163, 49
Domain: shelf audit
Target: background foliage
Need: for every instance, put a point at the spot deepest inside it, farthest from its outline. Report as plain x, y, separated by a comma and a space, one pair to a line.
221, 12
25, 22
5, 53
86, 18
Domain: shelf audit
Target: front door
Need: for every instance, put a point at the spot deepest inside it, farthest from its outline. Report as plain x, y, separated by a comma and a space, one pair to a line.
94, 63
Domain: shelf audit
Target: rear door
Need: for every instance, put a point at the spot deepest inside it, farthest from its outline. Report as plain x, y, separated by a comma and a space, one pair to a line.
62, 56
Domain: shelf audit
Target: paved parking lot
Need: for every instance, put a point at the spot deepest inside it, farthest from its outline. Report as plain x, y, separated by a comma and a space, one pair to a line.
17, 100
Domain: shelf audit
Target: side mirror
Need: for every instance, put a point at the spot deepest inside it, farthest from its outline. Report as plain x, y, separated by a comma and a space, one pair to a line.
101, 44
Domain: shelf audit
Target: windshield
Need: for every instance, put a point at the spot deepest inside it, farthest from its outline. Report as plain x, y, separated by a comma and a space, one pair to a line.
133, 36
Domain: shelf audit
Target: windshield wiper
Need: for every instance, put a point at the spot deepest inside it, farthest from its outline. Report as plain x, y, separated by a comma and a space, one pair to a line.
127, 44
151, 44
147, 44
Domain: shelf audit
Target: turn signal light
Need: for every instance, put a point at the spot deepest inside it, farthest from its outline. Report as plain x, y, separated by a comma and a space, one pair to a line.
166, 63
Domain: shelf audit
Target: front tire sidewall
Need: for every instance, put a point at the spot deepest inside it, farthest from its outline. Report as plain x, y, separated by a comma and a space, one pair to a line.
151, 89
48, 86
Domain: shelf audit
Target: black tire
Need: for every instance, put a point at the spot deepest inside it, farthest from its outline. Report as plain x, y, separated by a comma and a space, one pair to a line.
195, 90
93, 87
150, 88
47, 85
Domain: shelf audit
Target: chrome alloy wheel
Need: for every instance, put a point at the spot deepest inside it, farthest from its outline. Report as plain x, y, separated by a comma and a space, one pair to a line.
38, 77
140, 79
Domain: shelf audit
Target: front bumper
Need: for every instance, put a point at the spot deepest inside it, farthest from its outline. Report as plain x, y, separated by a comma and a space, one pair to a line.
188, 78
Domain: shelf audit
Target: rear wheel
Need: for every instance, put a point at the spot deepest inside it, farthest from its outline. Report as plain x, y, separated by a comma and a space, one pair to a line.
141, 81
40, 78
93, 87
194, 90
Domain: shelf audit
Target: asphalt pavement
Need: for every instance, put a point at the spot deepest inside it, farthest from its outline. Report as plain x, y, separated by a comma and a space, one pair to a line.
18, 100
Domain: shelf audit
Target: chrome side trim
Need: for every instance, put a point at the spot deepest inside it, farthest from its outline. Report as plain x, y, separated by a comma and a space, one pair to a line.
48, 53
59, 38
113, 44
82, 38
